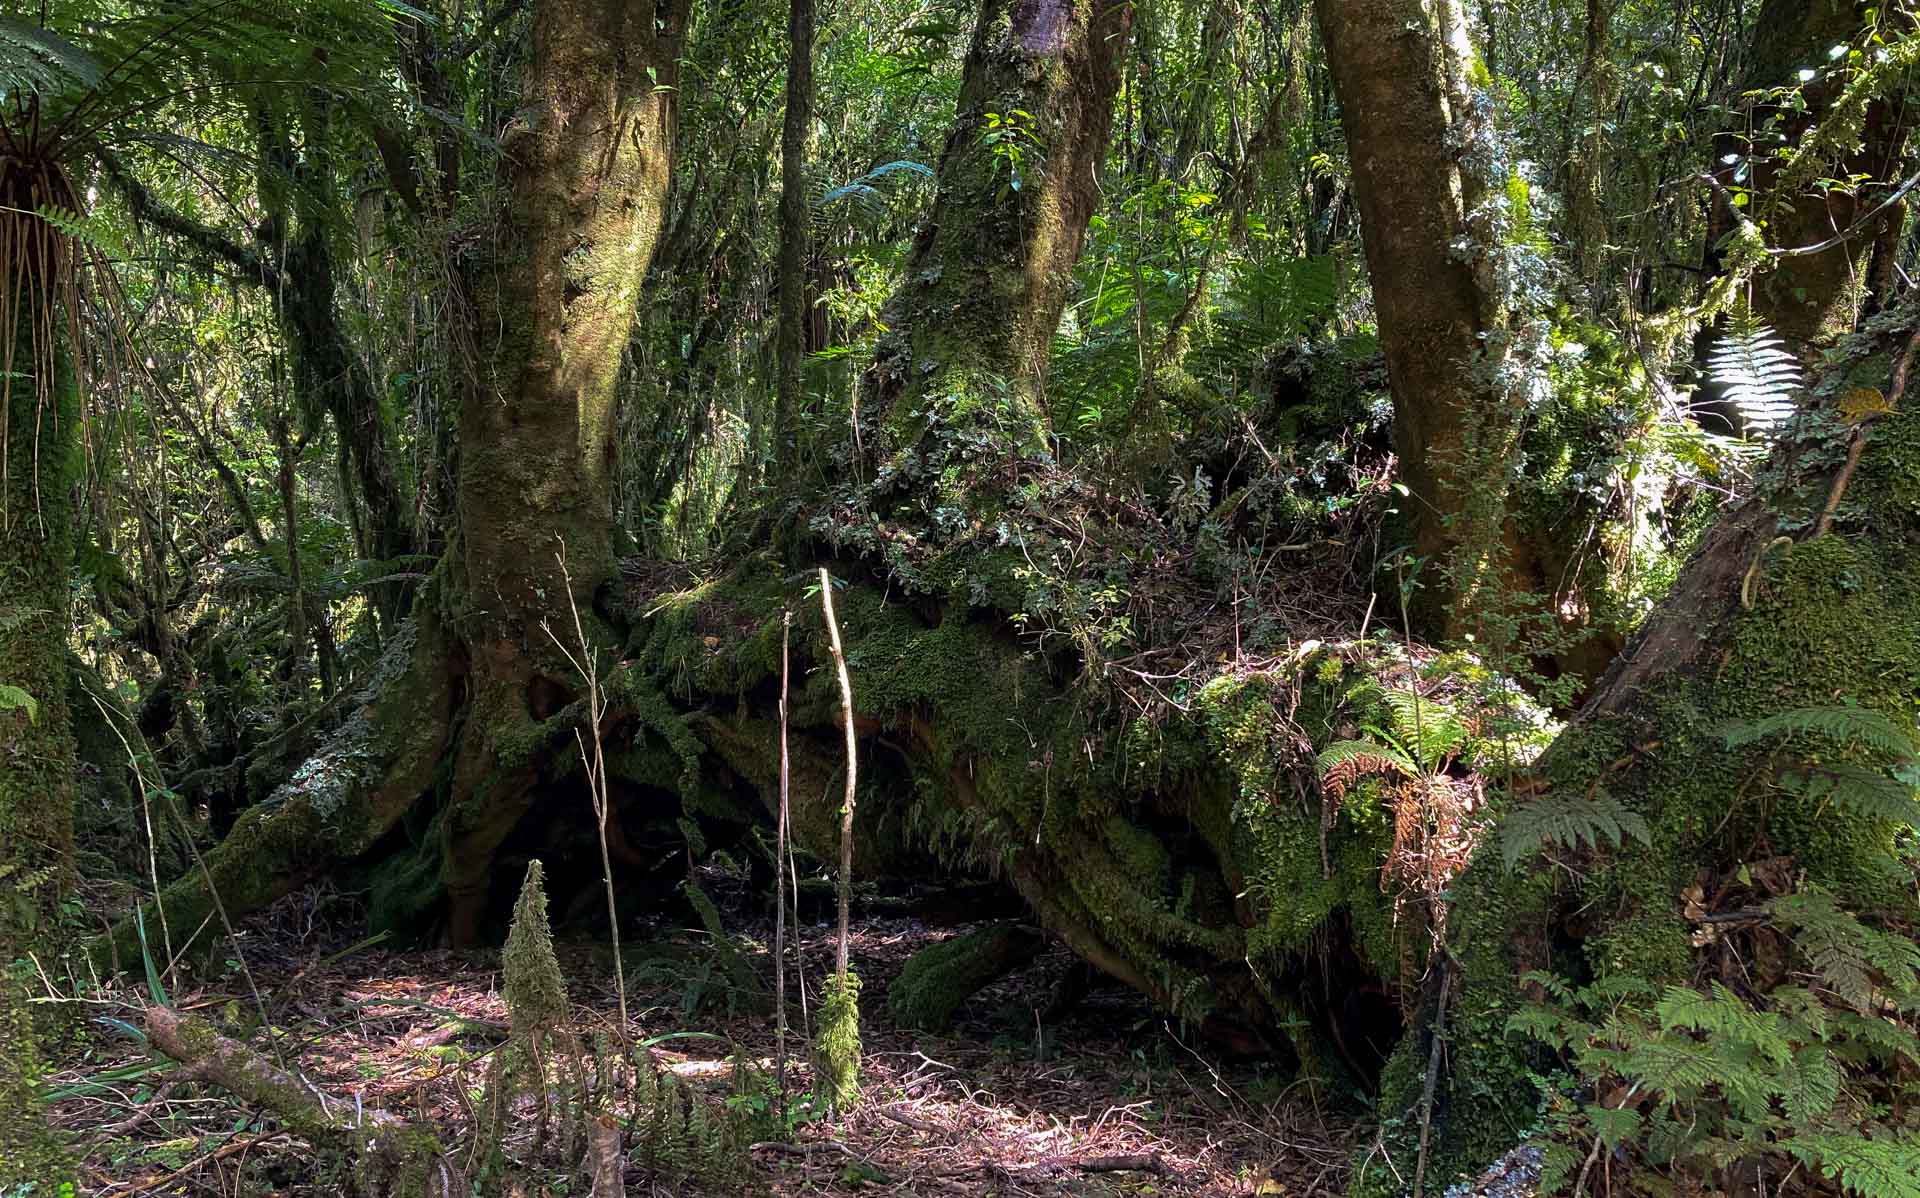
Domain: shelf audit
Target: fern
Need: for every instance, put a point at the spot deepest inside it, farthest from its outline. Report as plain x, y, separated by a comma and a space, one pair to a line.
1569, 820
12, 698
1860, 725
1432, 730
1871, 1168
1866, 792
1345, 762
1760, 378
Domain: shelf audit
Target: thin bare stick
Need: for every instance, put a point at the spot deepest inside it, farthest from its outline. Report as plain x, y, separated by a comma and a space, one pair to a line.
1858, 444
846, 808
588, 665
779, 881
1433, 1075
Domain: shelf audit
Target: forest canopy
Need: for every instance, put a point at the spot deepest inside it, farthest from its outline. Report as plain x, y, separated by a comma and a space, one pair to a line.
1374, 537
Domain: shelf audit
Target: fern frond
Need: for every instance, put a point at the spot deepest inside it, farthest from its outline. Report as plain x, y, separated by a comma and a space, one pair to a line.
1760, 378
1870, 1168
1569, 820
1861, 964
1345, 762
1433, 730
1857, 725
1870, 793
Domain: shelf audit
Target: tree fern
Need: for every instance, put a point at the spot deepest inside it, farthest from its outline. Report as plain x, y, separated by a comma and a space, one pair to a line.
1759, 377
1569, 820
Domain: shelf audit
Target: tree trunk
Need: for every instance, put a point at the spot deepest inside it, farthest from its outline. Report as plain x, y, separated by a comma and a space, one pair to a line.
550, 297
39, 438
1770, 615
988, 278
1401, 111
551, 315
1812, 300
795, 218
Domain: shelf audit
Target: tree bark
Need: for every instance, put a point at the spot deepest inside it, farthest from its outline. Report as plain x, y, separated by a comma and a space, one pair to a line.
795, 218
551, 310
989, 275
1401, 111
549, 299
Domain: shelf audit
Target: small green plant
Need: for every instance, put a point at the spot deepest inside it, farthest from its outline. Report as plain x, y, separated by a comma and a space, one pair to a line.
1009, 139
836, 1046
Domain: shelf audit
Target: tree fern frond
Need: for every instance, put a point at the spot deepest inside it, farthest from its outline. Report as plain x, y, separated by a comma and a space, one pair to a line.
1859, 725
1760, 378
1870, 1168
1569, 820
1871, 793
1431, 729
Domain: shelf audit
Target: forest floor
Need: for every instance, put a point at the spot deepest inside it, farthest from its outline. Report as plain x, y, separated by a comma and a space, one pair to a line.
1110, 1099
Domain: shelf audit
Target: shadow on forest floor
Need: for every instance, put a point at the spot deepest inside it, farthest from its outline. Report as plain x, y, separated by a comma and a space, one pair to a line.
1001, 1105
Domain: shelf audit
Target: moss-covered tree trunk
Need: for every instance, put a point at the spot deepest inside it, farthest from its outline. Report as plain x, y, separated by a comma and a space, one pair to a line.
1771, 615
1398, 108
550, 293
39, 435
962, 373
1813, 299
551, 301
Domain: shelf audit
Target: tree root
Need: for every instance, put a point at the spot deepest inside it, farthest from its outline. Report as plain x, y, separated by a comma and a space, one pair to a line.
337, 804
388, 1155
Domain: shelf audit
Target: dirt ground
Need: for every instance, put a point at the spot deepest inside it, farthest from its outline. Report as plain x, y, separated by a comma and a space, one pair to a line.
1110, 1099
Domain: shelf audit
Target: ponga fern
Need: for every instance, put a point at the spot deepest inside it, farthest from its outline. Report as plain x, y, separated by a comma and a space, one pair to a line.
1759, 377
1884, 791
1569, 820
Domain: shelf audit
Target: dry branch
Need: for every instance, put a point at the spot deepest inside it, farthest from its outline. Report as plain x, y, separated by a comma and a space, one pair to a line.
388, 1154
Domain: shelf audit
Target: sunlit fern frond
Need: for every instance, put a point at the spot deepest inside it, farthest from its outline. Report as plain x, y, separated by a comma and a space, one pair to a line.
1344, 763
1760, 378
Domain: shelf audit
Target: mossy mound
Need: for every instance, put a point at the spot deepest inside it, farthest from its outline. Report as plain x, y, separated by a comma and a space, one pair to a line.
1767, 618
937, 979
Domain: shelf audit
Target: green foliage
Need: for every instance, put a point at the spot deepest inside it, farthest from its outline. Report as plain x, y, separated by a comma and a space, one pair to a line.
1882, 792
1691, 1079
1569, 820
13, 698
836, 1043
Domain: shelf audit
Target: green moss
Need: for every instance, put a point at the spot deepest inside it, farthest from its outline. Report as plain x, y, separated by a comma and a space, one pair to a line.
836, 1043
1828, 620
937, 979
536, 994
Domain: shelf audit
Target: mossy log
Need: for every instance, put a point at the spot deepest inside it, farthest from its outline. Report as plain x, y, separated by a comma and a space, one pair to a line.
386, 1155
336, 805
938, 978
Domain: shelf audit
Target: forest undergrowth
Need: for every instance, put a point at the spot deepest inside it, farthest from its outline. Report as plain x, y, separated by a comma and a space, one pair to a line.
1023, 1095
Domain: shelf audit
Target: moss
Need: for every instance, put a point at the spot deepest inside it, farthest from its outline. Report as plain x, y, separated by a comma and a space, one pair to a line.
536, 994
1824, 621
836, 1043
937, 979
